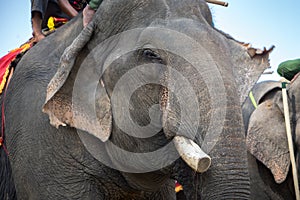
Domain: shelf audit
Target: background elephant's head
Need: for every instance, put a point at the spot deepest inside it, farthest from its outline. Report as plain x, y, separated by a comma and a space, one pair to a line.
266, 134
145, 72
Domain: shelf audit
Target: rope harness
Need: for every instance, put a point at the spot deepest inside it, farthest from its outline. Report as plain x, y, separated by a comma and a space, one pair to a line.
290, 139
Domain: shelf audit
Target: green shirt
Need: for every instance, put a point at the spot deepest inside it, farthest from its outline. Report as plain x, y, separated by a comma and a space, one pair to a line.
94, 4
288, 69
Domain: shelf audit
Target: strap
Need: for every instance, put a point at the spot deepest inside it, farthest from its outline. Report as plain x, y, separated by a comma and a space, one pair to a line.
252, 99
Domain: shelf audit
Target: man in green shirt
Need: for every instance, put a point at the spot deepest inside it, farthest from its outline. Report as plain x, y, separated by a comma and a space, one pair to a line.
89, 11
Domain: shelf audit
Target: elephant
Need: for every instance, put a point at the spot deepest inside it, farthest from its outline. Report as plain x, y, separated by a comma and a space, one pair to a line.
122, 108
266, 140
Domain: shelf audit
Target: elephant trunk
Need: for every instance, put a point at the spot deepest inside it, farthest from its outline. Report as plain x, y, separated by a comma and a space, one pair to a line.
216, 125
228, 176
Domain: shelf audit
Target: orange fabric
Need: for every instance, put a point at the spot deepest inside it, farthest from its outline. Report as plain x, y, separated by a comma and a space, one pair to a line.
178, 187
5, 63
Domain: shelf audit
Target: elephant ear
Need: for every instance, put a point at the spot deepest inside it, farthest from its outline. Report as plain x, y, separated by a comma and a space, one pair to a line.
248, 65
76, 100
266, 139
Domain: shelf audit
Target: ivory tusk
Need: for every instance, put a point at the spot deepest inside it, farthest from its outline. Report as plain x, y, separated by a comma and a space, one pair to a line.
217, 2
192, 154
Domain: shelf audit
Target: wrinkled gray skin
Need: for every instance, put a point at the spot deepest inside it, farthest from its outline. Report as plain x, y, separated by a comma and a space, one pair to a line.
55, 163
269, 161
260, 91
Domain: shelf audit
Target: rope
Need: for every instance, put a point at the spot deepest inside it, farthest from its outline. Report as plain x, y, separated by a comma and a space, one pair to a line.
290, 139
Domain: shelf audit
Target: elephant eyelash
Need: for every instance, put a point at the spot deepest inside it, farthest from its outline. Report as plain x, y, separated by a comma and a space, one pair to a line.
150, 54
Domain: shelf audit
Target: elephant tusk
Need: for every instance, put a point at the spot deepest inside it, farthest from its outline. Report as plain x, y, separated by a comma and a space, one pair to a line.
192, 154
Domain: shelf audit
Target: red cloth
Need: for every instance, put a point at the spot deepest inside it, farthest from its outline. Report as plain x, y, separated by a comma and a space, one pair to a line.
6, 60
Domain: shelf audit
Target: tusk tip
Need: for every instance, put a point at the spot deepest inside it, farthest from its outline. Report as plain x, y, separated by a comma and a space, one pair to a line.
203, 164
192, 154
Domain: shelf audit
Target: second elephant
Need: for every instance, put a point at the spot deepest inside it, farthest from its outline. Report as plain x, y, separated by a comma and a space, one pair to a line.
268, 153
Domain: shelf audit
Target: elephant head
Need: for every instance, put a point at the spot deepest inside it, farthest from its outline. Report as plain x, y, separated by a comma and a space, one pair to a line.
145, 80
266, 134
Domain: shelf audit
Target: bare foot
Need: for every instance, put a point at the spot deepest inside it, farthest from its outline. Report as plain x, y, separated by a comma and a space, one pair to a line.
38, 37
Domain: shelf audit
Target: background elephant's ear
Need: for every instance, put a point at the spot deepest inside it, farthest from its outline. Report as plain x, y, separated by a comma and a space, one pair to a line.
266, 139
79, 99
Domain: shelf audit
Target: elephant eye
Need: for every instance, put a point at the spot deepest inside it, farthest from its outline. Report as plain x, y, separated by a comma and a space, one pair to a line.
152, 55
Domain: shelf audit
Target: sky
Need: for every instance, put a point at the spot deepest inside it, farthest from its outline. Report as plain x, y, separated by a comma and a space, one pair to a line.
262, 23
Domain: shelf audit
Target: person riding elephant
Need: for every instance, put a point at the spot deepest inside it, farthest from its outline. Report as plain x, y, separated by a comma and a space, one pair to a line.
42, 10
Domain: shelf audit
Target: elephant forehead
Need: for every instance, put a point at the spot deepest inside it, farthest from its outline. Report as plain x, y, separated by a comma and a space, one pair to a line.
143, 10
